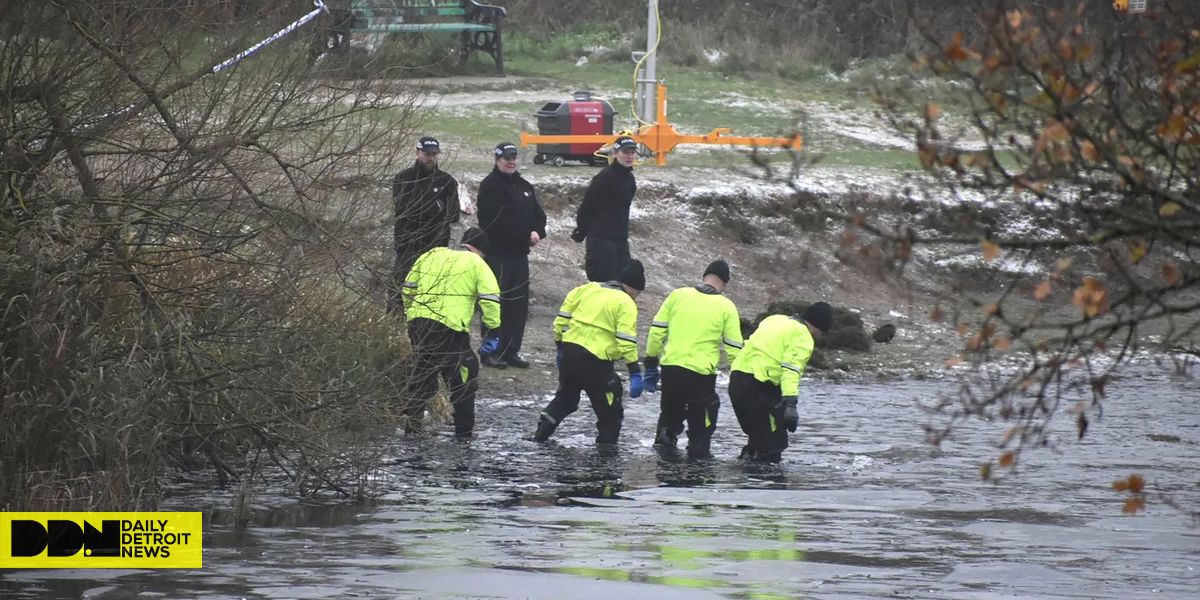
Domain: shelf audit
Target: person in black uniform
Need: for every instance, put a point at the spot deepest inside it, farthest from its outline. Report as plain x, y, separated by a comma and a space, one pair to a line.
509, 211
426, 205
603, 217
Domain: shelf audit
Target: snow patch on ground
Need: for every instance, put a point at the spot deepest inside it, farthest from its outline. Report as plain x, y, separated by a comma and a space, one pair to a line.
855, 125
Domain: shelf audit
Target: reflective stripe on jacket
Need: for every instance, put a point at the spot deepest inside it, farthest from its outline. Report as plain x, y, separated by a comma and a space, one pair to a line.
444, 285
602, 318
777, 352
693, 324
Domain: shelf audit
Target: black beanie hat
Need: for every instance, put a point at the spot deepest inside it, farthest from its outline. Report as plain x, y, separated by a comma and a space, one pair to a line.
633, 275
718, 267
819, 315
478, 238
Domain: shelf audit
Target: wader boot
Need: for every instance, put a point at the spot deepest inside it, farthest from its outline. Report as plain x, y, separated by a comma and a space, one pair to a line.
545, 428
665, 438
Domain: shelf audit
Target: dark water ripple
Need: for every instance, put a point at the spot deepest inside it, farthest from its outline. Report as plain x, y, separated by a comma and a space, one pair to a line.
861, 508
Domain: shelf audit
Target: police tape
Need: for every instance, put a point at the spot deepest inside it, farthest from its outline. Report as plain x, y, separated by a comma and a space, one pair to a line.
320, 7
101, 540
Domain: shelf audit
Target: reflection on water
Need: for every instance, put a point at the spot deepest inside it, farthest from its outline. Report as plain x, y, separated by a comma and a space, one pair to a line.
860, 508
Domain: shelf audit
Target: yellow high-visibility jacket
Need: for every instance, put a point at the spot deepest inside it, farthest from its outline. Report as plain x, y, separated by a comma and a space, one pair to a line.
602, 318
693, 324
777, 352
444, 285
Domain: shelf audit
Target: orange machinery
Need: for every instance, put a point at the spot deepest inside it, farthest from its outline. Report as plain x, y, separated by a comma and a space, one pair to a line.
661, 136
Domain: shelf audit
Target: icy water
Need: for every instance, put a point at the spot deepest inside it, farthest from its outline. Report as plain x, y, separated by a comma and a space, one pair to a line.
860, 508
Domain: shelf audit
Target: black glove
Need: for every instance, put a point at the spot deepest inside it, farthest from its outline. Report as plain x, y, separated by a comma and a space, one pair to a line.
791, 418
578, 235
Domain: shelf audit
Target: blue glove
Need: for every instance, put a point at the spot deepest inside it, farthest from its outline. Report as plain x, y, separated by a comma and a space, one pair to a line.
635, 384
558, 358
490, 345
650, 378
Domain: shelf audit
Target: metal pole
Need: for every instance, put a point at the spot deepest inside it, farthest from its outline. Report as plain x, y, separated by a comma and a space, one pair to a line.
649, 103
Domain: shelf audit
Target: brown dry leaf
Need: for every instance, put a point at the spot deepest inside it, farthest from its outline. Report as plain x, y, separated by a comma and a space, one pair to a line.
1136, 483
933, 112
974, 343
991, 250
1002, 343
1007, 459
927, 156
1134, 505
991, 309
956, 360
1009, 434
1121, 485
962, 329
1091, 297
1170, 273
1062, 264
1088, 151
1174, 128
1014, 18
1054, 133
936, 314
1169, 209
1065, 51
848, 238
988, 329
1043, 289
1025, 182
956, 51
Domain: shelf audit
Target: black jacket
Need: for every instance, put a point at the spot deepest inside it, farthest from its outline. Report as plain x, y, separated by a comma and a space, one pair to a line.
426, 205
604, 212
508, 210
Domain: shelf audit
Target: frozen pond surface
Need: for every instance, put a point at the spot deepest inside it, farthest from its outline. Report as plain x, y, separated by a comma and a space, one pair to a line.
860, 508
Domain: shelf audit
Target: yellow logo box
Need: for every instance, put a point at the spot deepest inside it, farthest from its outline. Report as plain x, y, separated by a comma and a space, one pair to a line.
100, 540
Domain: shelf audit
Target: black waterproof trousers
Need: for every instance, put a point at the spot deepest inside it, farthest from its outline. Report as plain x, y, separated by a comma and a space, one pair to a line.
688, 395
759, 409
582, 371
604, 258
512, 273
440, 353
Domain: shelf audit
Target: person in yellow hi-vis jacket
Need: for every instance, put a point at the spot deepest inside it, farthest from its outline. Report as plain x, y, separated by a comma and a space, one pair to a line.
693, 324
596, 325
764, 379
440, 294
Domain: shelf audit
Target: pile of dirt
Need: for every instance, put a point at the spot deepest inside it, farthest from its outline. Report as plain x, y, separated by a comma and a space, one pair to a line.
789, 263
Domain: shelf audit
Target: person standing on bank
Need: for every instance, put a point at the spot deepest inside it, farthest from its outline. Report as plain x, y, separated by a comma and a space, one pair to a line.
509, 212
440, 295
603, 217
693, 324
764, 379
596, 325
426, 205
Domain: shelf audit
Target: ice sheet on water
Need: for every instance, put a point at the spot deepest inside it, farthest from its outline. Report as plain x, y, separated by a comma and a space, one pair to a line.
836, 500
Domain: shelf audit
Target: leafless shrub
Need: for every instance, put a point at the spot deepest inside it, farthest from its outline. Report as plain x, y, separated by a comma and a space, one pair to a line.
185, 274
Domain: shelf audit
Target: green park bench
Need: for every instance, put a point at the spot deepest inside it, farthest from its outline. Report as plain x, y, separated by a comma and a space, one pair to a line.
478, 24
